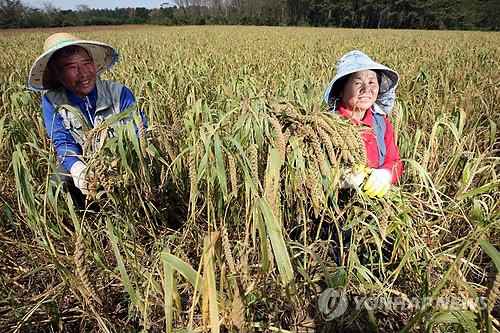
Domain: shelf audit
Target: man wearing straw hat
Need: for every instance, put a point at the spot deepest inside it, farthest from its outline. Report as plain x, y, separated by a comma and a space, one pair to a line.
68, 72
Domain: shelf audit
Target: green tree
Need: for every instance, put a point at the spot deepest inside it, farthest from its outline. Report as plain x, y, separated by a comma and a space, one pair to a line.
13, 14
489, 14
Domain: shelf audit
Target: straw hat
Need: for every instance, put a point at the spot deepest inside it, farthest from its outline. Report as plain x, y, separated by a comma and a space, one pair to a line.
356, 61
104, 57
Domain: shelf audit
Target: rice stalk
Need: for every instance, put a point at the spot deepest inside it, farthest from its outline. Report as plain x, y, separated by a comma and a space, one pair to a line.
227, 251
313, 184
494, 277
254, 165
327, 141
142, 134
238, 310
134, 294
220, 166
169, 288
233, 175
280, 138
81, 268
272, 219
229, 91
317, 149
177, 126
210, 289
193, 181
383, 220
343, 135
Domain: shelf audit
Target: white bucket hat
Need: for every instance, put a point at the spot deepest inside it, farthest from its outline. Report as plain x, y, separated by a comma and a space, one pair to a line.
104, 57
356, 61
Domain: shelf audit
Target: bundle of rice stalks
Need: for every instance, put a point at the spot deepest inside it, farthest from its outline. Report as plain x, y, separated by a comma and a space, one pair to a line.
315, 147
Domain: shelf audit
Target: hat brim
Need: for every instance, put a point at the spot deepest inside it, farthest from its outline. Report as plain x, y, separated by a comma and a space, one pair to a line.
388, 81
40, 79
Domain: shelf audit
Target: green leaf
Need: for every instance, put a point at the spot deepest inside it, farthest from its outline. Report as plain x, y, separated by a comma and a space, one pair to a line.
492, 252
280, 250
479, 190
183, 268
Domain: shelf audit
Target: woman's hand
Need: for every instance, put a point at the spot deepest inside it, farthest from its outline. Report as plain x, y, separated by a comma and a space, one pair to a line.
378, 183
352, 177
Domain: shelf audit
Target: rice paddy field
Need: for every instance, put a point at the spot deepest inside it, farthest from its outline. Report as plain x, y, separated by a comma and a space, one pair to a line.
226, 214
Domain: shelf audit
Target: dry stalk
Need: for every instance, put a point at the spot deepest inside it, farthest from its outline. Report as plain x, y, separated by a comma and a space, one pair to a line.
269, 193
166, 146
99, 175
344, 136
142, 134
355, 143
383, 220
494, 290
286, 135
233, 175
313, 184
192, 173
176, 119
193, 183
336, 133
254, 160
81, 268
318, 150
87, 143
328, 144
91, 138
163, 176
238, 310
280, 138
290, 112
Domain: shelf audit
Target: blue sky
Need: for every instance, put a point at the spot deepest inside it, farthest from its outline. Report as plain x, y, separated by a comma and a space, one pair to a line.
96, 4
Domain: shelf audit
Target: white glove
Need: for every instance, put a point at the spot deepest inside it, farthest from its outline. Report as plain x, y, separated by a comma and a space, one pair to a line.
352, 177
378, 183
78, 173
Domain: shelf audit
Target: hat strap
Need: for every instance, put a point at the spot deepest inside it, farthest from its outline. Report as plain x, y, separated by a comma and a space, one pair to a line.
60, 42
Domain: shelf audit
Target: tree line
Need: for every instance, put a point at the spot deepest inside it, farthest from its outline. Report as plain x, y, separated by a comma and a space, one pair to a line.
390, 14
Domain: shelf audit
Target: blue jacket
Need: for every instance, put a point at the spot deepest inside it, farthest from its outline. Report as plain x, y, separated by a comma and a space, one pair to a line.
65, 130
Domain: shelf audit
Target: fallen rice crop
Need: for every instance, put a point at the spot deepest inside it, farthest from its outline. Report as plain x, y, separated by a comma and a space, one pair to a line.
226, 213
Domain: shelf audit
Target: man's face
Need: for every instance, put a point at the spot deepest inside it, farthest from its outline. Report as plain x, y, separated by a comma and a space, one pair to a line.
77, 72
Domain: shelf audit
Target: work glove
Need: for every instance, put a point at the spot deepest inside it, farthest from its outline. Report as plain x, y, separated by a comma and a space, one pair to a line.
352, 177
78, 171
378, 183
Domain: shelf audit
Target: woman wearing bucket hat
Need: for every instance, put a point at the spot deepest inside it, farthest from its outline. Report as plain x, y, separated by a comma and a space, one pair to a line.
68, 72
364, 91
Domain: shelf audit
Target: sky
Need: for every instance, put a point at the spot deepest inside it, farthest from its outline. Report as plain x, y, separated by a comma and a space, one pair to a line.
96, 4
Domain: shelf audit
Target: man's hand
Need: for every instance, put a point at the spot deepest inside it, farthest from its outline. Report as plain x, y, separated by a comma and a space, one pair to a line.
378, 183
78, 173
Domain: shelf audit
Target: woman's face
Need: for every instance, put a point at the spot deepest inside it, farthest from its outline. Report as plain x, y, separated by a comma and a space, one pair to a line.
360, 91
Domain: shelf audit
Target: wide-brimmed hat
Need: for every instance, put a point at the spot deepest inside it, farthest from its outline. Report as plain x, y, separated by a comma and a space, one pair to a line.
356, 61
40, 78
